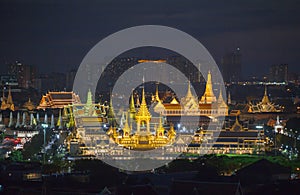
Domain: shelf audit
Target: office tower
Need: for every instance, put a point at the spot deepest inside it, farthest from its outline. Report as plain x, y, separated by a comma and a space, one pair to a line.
278, 73
231, 66
70, 76
26, 74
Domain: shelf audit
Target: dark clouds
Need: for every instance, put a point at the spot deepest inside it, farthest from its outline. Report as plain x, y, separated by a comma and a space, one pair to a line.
56, 35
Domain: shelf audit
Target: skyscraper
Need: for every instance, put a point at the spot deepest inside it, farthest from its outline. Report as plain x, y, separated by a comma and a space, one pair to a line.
278, 73
231, 66
26, 74
70, 76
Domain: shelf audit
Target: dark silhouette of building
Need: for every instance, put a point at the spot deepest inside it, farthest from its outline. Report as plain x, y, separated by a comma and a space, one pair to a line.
70, 76
26, 74
261, 173
51, 82
278, 73
231, 66
195, 187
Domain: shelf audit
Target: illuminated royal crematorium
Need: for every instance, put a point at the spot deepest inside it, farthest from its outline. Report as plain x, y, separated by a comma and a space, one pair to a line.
98, 130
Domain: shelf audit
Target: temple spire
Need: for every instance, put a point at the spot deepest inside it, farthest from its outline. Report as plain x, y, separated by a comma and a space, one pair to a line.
131, 106
229, 98
10, 120
208, 94
220, 98
111, 113
126, 128
37, 117
7, 103
46, 118
52, 125
89, 110
265, 99
89, 99
3, 103
143, 98
23, 120
189, 92
143, 115
59, 121
156, 94
9, 97
132, 110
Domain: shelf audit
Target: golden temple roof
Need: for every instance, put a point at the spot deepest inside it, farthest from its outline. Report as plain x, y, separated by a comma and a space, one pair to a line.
174, 101
58, 99
29, 105
236, 126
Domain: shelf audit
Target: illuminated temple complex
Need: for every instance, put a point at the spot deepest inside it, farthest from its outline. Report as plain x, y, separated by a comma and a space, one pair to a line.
92, 138
208, 105
99, 132
264, 106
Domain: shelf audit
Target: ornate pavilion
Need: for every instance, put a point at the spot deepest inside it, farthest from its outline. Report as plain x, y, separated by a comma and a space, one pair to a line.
58, 99
264, 106
144, 138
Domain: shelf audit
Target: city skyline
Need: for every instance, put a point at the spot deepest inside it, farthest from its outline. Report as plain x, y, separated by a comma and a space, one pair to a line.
149, 97
55, 36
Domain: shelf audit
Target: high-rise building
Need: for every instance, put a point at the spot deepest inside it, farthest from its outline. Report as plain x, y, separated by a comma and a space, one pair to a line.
70, 76
278, 73
26, 74
52, 81
231, 66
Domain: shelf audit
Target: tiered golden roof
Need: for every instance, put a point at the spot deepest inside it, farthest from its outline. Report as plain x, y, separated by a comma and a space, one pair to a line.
58, 99
189, 101
265, 105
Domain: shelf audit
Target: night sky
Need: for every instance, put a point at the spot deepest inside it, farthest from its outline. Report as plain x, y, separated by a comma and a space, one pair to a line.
56, 35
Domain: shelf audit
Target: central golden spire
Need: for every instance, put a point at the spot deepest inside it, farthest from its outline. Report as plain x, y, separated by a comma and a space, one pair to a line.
143, 115
208, 96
